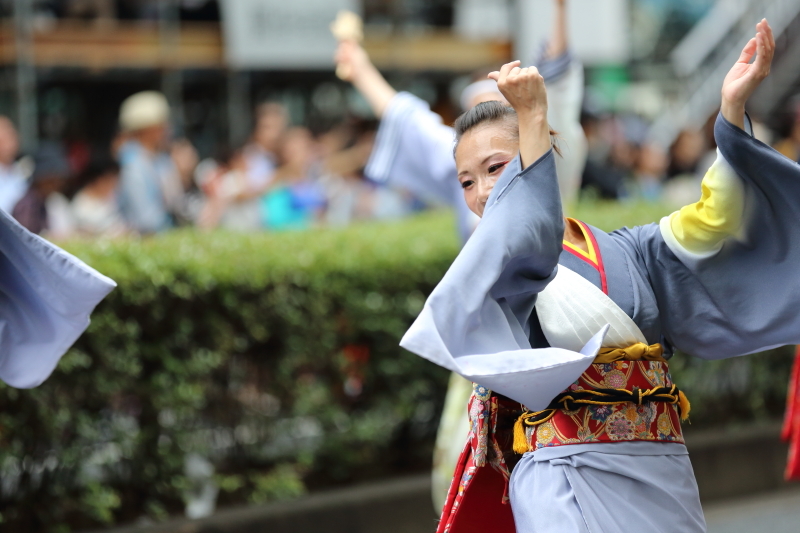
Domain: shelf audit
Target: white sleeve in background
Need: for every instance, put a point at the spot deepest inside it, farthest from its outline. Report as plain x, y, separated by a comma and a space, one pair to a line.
564, 100
414, 151
46, 297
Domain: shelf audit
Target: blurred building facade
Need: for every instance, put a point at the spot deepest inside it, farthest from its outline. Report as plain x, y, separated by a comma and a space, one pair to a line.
68, 64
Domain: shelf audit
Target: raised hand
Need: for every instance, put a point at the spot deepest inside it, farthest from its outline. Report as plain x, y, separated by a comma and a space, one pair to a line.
351, 60
743, 79
523, 88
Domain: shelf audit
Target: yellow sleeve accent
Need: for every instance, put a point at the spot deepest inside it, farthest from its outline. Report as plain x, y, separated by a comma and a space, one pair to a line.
703, 226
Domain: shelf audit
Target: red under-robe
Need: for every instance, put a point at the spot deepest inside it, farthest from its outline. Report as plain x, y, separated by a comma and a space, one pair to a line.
791, 424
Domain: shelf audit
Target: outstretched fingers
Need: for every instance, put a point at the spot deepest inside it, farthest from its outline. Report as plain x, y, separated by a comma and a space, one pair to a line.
748, 51
765, 45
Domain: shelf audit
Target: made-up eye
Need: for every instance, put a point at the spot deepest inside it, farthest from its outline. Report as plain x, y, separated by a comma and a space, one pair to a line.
466, 184
497, 166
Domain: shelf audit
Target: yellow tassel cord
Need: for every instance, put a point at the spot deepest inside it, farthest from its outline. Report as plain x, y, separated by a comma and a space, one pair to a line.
521, 444
685, 406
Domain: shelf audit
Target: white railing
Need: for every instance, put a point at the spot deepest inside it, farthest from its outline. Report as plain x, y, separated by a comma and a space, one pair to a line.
708, 51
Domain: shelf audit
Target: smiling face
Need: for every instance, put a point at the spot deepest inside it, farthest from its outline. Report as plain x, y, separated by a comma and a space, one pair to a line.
481, 156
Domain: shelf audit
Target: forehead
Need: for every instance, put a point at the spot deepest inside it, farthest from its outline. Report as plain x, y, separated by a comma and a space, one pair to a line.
484, 140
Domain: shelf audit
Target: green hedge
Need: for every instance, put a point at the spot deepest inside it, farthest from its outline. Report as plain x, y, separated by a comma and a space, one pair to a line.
275, 357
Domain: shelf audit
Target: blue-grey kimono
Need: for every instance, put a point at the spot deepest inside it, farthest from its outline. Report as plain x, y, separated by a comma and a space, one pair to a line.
737, 296
46, 297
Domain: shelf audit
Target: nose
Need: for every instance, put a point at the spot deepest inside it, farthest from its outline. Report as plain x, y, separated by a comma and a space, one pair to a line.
484, 190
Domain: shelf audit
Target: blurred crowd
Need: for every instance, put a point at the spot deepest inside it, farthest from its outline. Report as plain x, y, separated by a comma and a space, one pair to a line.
623, 164
284, 177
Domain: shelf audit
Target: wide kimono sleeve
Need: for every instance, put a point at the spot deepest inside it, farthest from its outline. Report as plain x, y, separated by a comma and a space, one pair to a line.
476, 321
726, 271
46, 297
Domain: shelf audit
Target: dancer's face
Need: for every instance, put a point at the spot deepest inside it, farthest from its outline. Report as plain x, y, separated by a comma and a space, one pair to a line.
481, 155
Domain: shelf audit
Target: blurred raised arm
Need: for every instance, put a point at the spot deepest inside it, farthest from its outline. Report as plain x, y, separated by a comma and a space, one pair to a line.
558, 43
352, 59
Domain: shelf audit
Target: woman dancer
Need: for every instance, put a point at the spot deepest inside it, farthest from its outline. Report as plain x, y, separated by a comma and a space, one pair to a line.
574, 326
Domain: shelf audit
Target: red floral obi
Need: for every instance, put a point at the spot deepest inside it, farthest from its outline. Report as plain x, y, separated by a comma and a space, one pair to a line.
621, 400
628, 421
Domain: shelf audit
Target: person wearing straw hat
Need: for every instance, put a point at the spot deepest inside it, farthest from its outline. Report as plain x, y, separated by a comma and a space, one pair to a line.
149, 181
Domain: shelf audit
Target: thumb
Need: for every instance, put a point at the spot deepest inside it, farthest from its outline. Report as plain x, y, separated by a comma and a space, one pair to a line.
494, 75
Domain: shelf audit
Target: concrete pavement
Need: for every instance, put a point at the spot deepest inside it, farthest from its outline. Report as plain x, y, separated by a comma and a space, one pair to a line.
774, 512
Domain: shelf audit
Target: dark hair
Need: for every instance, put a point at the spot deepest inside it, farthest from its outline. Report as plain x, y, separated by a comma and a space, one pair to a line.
491, 112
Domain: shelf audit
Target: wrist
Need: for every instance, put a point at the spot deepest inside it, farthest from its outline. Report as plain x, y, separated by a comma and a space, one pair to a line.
733, 112
534, 115
364, 74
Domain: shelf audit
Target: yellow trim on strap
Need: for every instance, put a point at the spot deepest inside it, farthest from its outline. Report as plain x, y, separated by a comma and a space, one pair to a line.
592, 254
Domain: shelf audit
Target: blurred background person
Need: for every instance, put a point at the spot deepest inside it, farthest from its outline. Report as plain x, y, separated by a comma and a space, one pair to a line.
184, 199
648, 173
261, 152
41, 208
296, 199
414, 151
95, 208
251, 170
153, 175
413, 148
12, 177
600, 177
144, 165
686, 154
790, 144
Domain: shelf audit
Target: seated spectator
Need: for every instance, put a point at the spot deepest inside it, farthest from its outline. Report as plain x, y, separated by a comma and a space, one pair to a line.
790, 145
150, 182
296, 199
234, 185
185, 200
50, 175
599, 175
649, 170
686, 153
261, 153
231, 204
95, 208
13, 183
